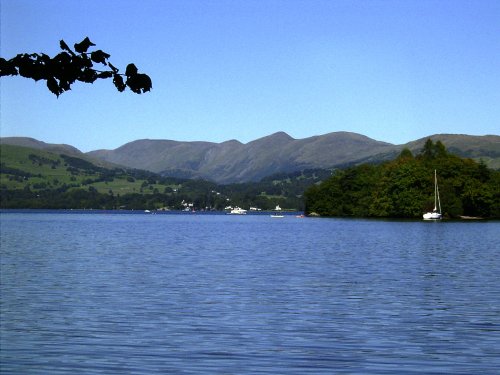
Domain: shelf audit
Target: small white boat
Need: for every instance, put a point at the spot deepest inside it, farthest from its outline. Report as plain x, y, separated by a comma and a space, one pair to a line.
237, 211
435, 214
278, 213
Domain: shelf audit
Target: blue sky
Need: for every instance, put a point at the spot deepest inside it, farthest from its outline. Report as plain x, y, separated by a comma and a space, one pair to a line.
392, 70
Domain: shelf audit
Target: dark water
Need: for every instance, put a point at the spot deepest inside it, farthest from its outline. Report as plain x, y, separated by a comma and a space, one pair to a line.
218, 294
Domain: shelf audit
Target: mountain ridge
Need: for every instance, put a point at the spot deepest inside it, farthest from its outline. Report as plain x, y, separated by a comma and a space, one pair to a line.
232, 161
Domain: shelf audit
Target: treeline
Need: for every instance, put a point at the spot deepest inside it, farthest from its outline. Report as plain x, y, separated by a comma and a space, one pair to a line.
284, 189
87, 199
193, 195
404, 187
60, 181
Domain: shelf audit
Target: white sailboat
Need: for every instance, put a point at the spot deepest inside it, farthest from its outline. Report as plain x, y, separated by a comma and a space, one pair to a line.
435, 214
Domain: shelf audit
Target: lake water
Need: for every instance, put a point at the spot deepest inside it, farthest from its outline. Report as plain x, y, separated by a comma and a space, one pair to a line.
114, 293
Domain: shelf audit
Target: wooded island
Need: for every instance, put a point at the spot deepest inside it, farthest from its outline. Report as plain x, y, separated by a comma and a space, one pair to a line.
403, 188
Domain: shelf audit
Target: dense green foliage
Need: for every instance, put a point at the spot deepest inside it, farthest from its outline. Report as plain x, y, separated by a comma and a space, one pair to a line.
404, 187
40, 179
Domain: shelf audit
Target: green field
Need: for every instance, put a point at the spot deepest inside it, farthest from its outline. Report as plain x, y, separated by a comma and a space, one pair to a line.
32, 178
39, 170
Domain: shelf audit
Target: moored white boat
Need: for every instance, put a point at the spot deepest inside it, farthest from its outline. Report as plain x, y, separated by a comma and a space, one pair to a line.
435, 214
237, 211
278, 213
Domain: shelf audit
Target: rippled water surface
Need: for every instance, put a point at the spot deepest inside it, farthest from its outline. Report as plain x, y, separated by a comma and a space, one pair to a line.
219, 294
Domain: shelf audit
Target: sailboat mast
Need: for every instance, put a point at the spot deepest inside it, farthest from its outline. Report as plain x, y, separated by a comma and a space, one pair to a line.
435, 190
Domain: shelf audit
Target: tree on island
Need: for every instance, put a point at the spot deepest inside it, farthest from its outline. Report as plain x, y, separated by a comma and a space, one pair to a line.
404, 187
69, 66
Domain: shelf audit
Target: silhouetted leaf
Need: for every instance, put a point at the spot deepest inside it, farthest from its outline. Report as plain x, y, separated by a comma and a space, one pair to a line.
7, 68
118, 81
139, 83
59, 64
64, 85
131, 70
68, 74
99, 56
84, 61
88, 76
84, 45
53, 86
64, 46
38, 70
24, 64
63, 58
146, 82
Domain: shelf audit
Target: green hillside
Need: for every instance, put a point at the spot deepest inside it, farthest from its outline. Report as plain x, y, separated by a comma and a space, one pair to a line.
24, 167
35, 178
32, 178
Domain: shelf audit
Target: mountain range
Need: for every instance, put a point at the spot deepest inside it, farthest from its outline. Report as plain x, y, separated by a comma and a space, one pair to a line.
233, 161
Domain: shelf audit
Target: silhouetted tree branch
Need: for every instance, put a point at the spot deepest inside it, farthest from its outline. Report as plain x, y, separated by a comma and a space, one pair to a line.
69, 66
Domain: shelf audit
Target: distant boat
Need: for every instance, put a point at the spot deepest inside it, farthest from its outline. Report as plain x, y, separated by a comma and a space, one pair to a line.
435, 214
237, 211
277, 215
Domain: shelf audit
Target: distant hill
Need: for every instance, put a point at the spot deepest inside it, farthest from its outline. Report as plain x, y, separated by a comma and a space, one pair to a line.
53, 148
39, 145
36, 178
485, 147
233, 161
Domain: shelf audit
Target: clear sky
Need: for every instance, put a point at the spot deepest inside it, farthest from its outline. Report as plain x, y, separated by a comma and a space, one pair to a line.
394, 70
